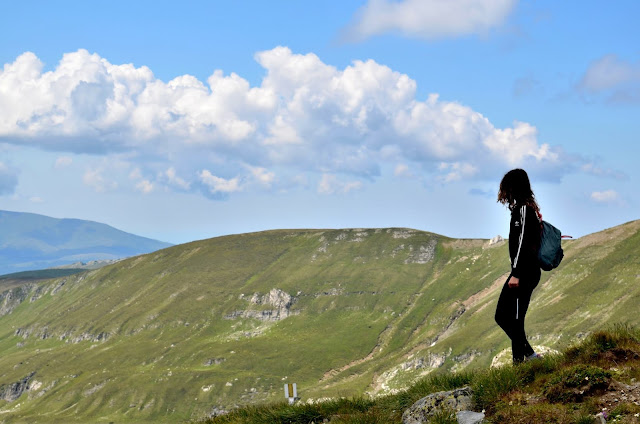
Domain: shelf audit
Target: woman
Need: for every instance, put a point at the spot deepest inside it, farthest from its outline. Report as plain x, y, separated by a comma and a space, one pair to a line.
524, 242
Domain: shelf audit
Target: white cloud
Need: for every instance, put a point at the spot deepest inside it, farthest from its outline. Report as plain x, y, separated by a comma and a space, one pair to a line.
330, 184
63, 162
429, 19
36, 199
517, 143
174, 180
402, 170
306, 117
613, 78
145, 186
94, 179
456, 171
607, 196
217, 184
263, 176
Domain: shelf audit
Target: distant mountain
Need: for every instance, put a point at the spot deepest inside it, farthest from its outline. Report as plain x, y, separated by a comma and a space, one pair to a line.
30, 241
205, 326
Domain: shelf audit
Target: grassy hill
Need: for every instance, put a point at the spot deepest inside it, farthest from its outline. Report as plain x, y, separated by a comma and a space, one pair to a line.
598, 376
30, 241
169, 336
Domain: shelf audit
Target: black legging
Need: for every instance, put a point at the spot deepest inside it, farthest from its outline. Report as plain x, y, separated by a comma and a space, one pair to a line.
511, 310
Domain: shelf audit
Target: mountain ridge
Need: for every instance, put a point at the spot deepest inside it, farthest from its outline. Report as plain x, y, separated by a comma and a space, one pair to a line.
32, 241
222, 322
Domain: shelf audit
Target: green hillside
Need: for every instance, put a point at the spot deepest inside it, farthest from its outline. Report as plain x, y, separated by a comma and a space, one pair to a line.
171, 335
596, 376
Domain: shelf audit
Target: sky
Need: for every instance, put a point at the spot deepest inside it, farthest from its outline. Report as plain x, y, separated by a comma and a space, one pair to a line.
187, 120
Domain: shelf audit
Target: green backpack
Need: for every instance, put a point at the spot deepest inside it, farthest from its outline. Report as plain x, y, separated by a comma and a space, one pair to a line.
550, 254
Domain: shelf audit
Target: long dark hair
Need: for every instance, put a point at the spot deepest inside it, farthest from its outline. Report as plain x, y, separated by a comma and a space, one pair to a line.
515, 189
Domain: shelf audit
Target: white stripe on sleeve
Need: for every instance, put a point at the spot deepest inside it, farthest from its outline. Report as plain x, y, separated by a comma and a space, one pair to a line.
523, 211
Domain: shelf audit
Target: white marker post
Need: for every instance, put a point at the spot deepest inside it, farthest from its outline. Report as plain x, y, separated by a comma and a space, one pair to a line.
291, 392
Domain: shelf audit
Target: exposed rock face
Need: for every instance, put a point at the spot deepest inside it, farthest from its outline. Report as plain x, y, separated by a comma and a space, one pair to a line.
401, 234
43, 333
497, 239
433, 361
276, 297
455, 400
213, 361
100, 337
280, 300
423, 254
468, 417
11, 299
11, 392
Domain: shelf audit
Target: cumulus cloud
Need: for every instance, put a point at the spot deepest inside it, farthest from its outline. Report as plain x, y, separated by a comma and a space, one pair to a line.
428, 19
402, 170
306, 118
330, 184
98, 182
218, 185
613, 79
263, 176
514, 144
174, 180
607, 196
457, 171
145, 186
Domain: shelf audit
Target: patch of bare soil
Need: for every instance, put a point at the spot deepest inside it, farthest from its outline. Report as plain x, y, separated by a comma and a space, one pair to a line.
619, 393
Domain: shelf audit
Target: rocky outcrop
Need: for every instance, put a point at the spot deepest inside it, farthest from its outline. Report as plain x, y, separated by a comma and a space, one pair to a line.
213, 361
495, 241
469, 417
423, 254
279, 301
100, 337
11, 299
11, 392
401, 233
432, 361
455, 400
43, 333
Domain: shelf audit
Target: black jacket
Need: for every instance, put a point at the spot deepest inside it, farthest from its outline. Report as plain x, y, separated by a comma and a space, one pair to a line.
524, 241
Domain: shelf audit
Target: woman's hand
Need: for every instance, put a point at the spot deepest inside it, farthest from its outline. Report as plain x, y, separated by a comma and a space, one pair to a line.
514, 282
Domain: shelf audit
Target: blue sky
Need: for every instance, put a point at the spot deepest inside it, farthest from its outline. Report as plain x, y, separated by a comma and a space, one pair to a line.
193, 119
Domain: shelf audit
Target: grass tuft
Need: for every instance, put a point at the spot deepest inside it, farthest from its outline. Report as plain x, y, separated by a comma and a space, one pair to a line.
491, 385
444, 417
575, 383
616, 339
301, 413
